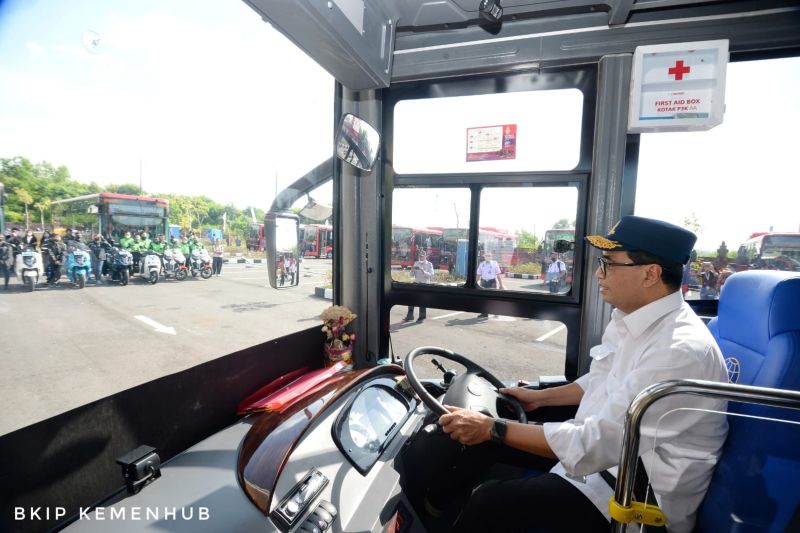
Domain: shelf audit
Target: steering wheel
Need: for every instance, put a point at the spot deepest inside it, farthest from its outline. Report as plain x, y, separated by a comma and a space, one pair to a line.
469, 390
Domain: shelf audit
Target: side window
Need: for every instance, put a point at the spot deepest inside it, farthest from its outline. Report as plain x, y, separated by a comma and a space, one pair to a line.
149, 102
526, 239
734, 186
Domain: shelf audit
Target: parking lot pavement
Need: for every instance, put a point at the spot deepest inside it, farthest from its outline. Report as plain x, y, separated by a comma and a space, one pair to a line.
65, 347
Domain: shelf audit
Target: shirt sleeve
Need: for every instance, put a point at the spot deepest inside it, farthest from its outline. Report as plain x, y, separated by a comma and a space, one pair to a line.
594, 444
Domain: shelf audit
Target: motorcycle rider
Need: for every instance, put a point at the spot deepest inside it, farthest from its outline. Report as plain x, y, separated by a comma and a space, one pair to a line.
158, 245
146, 242
126, 242
136, 251
99, 248
29, 241
55, 250
6, 260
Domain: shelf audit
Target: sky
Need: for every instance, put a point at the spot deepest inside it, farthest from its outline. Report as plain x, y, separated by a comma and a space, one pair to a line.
212, 100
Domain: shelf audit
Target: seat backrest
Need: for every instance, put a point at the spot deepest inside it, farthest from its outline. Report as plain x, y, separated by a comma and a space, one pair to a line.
755, 485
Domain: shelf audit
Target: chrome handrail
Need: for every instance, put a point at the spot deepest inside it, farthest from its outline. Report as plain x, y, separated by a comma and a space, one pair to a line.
623, 493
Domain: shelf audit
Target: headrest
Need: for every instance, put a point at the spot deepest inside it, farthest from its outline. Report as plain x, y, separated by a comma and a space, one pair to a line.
757, 305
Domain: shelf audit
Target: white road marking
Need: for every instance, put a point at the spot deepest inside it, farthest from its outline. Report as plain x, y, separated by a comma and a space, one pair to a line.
447, 315
161, 328
551, 333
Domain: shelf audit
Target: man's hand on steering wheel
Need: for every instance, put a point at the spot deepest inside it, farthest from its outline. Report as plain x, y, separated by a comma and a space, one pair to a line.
466, 426
530, 399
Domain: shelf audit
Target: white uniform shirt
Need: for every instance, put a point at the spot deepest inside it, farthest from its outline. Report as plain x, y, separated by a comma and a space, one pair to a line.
423, 271
556, 266
663, 340
488, 270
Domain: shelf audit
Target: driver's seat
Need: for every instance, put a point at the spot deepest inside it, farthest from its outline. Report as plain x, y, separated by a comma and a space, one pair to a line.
755, 486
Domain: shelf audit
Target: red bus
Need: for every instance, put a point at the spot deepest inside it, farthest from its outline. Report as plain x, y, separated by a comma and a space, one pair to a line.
317, 240
255, 238
500, 243
407, 242
771, 251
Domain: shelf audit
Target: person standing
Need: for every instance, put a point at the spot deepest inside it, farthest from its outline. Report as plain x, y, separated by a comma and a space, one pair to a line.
423, 273
556, 272
708, 281
15, 242
6, 260
291, 265
489, 276
99, 254
217, 253
55, 249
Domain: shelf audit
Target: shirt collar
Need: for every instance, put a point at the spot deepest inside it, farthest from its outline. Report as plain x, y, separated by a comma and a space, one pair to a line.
641, 319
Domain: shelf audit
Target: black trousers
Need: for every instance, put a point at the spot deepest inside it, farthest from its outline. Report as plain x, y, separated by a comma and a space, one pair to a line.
216, 267
543, 503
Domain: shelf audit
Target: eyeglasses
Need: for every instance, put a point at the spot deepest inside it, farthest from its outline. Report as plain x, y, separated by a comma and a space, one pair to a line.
604, 263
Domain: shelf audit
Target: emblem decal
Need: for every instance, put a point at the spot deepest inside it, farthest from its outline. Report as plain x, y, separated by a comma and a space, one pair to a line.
732, 364
602, 242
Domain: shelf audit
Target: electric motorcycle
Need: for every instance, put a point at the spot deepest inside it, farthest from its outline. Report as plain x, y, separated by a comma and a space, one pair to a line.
29, 268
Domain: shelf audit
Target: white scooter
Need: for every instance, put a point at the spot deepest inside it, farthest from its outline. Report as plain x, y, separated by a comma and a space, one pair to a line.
29, 268
150, 266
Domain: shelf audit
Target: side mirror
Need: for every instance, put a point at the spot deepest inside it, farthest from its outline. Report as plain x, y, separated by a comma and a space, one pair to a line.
357, 142
281, 235
562, 246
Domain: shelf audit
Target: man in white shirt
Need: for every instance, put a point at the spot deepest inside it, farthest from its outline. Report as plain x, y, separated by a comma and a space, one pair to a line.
423, 273
653, 336
556, 272
488, 276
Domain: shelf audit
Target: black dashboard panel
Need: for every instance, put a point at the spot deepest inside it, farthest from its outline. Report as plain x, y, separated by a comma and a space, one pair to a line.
369, 421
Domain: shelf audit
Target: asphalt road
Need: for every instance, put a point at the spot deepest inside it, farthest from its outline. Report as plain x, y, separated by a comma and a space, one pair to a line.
65, 347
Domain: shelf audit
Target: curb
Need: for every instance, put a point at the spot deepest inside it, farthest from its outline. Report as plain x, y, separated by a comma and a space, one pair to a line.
522, 276
321, 292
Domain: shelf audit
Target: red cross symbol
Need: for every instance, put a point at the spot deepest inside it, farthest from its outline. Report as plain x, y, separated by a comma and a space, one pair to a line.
679, 70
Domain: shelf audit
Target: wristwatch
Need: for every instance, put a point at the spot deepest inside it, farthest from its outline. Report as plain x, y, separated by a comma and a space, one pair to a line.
498, 431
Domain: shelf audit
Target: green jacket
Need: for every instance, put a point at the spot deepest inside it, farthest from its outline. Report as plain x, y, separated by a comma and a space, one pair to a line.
126, 242
146, 243
186, 249
158, 247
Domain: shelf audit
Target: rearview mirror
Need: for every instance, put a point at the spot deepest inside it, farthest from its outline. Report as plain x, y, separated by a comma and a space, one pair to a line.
357, 142
281, 233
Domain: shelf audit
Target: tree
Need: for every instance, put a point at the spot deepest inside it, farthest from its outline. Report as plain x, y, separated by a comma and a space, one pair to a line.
564, 223
25, 197
692, 223
527, 239
125, 188
42, 206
